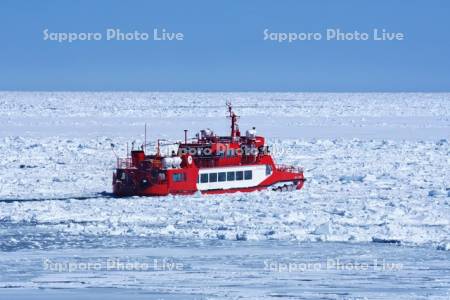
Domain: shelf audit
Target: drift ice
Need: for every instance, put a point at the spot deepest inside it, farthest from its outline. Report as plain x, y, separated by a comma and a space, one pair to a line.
209, 164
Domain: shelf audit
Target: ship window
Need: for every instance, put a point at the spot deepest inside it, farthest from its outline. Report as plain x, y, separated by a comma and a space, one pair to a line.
230, 176
230, 152
203, 178
248, 175
213, 177
177, 177
161, 176
222, 176
268, 170
239, 175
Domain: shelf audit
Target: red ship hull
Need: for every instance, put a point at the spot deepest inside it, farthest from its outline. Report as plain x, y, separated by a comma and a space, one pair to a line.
279, 180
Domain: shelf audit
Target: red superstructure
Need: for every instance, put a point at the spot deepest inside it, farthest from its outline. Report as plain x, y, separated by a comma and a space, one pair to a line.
209, 164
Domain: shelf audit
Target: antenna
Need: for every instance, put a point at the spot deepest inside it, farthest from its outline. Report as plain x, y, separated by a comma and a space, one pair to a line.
185, 136
145, 136
112, 148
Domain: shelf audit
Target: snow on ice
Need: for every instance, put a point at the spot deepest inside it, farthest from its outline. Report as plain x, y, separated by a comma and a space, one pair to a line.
377, 169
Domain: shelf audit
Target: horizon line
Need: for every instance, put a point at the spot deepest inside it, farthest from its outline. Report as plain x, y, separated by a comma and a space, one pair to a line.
222, 91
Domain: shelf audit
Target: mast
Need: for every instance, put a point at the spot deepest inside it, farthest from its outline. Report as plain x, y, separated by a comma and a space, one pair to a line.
158, 152
234, 127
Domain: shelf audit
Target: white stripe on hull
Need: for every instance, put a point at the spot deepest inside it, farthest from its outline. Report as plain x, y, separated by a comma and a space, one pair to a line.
258, 176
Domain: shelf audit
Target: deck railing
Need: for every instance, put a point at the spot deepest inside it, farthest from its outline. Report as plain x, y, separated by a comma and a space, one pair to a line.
287, 168
123, 163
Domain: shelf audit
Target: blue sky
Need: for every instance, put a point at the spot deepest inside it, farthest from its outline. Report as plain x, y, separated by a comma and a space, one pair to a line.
223, 47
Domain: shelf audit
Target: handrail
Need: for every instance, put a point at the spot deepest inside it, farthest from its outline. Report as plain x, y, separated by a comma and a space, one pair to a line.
124, 163
290, 169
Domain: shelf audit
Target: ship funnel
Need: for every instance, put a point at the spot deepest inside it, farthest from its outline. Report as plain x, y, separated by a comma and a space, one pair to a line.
137, 156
